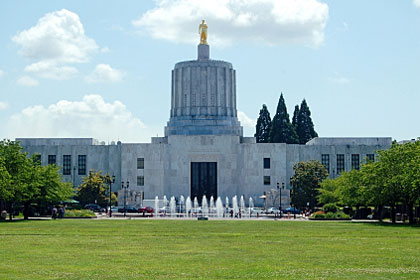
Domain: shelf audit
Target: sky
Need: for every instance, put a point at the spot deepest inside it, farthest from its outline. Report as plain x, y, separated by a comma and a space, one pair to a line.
102, 69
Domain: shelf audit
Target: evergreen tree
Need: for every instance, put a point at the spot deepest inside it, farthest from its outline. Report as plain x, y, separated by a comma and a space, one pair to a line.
263, 127
295, 115
305, 127
282, 131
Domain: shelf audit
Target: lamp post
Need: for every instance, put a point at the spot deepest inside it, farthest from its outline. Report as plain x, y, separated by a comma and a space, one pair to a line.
125, 196
109, 181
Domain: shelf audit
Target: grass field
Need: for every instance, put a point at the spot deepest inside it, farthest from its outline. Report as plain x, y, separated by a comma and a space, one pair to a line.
171, 249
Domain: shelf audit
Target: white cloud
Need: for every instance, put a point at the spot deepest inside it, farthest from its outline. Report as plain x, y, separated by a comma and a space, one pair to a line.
56, 40
27, 81
339, 80
416, 3
105, 50
50, 70
271, 22
90, 117
1, 73
3, 105
104, 73
245, 120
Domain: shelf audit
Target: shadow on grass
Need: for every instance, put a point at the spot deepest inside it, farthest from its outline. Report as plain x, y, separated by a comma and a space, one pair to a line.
387, 224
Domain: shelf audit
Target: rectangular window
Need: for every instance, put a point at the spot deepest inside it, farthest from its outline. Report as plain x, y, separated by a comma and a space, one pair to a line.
325, 160
340, 163
81, 163
140, 163
355, 161
267, 180
52, 159
266, 163
370, 157
66, 164
37, 159
140, 181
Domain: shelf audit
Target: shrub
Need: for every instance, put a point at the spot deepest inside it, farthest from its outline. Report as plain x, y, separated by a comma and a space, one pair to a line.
79, 213
330, 215
330, 207
318, 215
342, 215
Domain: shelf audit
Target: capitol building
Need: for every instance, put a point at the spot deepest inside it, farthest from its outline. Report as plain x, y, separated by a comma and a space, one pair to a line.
203, 151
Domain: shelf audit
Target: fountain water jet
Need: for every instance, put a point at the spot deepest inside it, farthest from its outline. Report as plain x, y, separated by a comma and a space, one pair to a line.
219, 208
188, 207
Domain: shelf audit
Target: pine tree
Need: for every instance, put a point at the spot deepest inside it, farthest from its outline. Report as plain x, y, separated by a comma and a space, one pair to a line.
295, 114
305, 127
263, 127
282, 131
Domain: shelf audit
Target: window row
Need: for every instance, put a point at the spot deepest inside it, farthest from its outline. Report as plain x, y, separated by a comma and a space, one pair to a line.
81, 163
341, 163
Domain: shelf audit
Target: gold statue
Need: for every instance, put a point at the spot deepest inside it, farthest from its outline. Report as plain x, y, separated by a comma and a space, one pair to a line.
202, 30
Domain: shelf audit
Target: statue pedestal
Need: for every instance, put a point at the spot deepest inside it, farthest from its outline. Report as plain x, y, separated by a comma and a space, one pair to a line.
203, 52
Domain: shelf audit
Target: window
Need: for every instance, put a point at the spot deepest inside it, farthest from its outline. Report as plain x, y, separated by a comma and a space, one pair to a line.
37, 159
266, 163
140, 180
52, 159
66, 164
267, 180
355, 161
340, 163
140, 163
325, 160
370, 157
81, 162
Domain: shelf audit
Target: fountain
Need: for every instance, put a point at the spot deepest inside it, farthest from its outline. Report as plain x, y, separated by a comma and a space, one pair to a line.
195, 210
156, 206
188, 207
172, 206
211, 208
242, 206
181, 205
235, 206
219, 208
205, 208
251, 206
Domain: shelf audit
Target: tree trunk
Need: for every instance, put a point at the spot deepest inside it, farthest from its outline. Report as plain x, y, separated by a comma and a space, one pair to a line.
393, 214
411, 213
26, 210
380, 212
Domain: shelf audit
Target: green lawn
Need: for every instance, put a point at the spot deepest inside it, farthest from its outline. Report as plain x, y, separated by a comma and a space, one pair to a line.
173, 249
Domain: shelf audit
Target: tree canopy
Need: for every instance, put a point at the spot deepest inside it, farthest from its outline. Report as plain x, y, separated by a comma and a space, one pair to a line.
304, 125
306, 182
23, 180
263, 126
282, 131
393, 179
95, 189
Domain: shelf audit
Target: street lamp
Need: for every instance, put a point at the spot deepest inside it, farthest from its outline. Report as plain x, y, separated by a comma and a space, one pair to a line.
109, 181
279, 190
125, 196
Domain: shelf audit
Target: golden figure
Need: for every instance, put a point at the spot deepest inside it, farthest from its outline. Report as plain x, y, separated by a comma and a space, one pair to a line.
202, 30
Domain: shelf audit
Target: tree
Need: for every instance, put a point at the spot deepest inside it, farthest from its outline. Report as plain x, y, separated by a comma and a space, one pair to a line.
263, 127
306, 182
305, 127
24, 181
295, 115
282, 131
94, 189
329, 191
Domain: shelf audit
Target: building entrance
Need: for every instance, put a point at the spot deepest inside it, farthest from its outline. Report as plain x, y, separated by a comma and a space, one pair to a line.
203, 180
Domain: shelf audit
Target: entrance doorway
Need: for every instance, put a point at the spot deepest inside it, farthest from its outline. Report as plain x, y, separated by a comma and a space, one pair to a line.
203, 180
